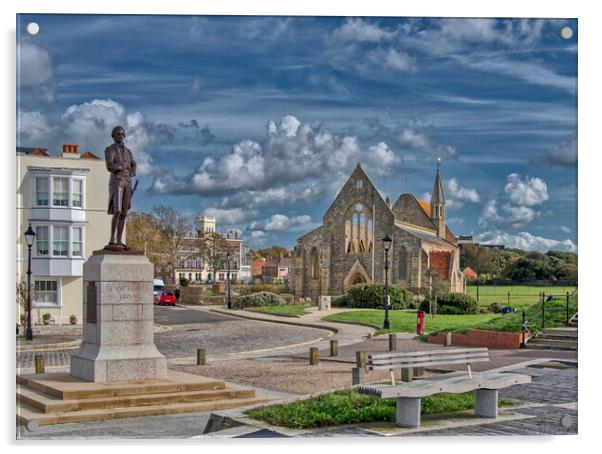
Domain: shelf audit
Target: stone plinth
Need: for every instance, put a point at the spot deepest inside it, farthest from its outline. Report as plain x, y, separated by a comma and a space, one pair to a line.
118, 342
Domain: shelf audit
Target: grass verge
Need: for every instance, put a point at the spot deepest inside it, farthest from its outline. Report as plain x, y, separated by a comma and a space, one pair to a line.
286, 311
518, 296
401, 321
350, 407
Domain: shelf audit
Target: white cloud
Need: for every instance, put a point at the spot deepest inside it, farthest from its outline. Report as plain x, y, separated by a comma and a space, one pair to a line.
33, 129
34, 65
393, 59
518, 200
293, 155
281, 222
457, 192
526, 241
414, 135
229, 216
360, 30
528, 192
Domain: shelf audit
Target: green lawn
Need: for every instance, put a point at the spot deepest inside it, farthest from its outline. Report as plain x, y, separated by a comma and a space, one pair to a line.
349, 407
520, 295
401, 321
287, 311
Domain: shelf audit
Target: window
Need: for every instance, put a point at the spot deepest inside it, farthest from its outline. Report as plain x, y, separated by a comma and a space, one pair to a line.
60, 241
42, 191
77, 187
45, 292
359, 184
315, 264
77, 242
60, 192
358, 229
41, 240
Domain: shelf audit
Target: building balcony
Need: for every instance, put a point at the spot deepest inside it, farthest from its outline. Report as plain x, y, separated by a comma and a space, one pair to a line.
57, 266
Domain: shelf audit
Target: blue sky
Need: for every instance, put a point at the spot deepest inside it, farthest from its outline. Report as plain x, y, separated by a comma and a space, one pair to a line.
260, 120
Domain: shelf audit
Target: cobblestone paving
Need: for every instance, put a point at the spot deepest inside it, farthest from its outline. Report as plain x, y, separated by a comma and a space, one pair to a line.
55, 358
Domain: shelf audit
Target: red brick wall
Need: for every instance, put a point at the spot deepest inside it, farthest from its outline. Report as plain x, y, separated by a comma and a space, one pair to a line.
482, 338
439, 261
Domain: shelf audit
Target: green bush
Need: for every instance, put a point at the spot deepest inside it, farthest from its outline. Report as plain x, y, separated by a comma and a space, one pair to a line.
453, 304
46, 318
183, 282
496, 308
372, 296
256, 288
258, 300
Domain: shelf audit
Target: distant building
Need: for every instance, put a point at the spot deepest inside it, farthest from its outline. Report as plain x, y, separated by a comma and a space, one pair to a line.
257, 269
469, 274
277, 268
65, 198
196, 269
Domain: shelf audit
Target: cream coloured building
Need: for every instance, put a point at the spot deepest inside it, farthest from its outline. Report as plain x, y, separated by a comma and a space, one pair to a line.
64, 197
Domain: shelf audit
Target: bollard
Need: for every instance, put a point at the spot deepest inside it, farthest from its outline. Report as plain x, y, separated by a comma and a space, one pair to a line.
392, 342
334, 347
418, 371
357, 376
407, 374
567, 308
200, 357
508, 298
523, 329
314, 356
39, 360
447, 339
360, 359
543, 310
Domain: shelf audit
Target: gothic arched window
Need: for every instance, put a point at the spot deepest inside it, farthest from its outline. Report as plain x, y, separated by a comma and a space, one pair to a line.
358, 229
315, 263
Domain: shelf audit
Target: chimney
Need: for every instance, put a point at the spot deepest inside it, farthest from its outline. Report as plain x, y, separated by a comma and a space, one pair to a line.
70, 151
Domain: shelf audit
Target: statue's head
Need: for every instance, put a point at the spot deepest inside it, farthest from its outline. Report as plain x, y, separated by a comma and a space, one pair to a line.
118, 134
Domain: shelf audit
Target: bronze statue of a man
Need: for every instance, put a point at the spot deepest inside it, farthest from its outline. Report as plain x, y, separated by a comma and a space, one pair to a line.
122, 166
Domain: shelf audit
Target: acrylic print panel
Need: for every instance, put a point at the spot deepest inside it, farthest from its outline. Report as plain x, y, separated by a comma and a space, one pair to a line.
266, 159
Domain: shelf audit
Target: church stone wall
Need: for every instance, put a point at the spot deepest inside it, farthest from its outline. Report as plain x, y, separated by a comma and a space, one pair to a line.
407, 209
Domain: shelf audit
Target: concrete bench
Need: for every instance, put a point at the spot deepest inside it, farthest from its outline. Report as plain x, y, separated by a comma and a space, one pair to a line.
408, 395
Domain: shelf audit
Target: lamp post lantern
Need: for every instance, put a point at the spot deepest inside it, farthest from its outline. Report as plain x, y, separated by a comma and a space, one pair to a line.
228, 276
29, 237
387, 245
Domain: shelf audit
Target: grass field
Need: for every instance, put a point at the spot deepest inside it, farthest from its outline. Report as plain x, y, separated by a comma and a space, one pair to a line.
287, 311
401, 321
348, 407
520, 295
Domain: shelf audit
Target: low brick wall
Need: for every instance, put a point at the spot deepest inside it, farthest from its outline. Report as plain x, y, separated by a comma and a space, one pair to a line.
482, 338
193, 295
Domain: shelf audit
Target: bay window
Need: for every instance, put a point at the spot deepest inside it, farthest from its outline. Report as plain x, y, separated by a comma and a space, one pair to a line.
60, 191
60, 241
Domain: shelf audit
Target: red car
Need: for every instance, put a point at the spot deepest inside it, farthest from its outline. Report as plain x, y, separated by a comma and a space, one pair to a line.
167, 298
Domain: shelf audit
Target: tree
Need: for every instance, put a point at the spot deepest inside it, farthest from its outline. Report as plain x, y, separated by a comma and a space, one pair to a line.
174, 229
212, 247
143, 234
436, 287
22, 295
479, 258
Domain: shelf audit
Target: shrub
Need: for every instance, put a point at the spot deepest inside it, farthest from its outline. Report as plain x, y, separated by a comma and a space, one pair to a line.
73, 319
256, 288
289, 298
371, 296
496, 308
46, 318
257, 300
23, 319
413, 304
183, 282
453, 303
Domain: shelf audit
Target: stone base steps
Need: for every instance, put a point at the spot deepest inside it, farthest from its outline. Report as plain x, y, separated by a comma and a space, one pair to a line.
555, 339
59, 398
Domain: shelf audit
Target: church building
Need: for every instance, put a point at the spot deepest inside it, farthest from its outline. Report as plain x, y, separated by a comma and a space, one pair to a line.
347, 249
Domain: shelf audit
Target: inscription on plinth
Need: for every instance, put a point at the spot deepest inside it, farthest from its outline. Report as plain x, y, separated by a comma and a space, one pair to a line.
118, 339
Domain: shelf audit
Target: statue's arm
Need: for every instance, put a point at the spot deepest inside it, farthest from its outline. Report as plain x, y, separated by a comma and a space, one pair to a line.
113, 165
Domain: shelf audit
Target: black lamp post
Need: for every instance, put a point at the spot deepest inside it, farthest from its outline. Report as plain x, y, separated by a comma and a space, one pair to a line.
387, 245
29, 237
228, 276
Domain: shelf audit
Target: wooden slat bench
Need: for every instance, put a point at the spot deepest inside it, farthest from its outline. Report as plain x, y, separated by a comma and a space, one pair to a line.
408, 395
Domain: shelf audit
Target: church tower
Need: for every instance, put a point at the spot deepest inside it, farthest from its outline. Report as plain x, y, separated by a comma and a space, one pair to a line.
438, 204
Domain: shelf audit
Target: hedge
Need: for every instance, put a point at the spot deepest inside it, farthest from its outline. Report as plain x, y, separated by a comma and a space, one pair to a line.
257, 300
372, 296
453, 303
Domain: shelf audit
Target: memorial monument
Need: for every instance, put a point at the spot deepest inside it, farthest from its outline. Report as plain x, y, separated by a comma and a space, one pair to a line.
118, 339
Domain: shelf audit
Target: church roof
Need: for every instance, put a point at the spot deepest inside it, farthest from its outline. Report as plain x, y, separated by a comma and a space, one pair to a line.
426, 207
424, 235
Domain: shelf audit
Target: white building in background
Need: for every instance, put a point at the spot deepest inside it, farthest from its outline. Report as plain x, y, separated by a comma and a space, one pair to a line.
64, 197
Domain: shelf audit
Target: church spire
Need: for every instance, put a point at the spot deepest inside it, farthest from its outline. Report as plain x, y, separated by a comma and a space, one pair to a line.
438, 204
